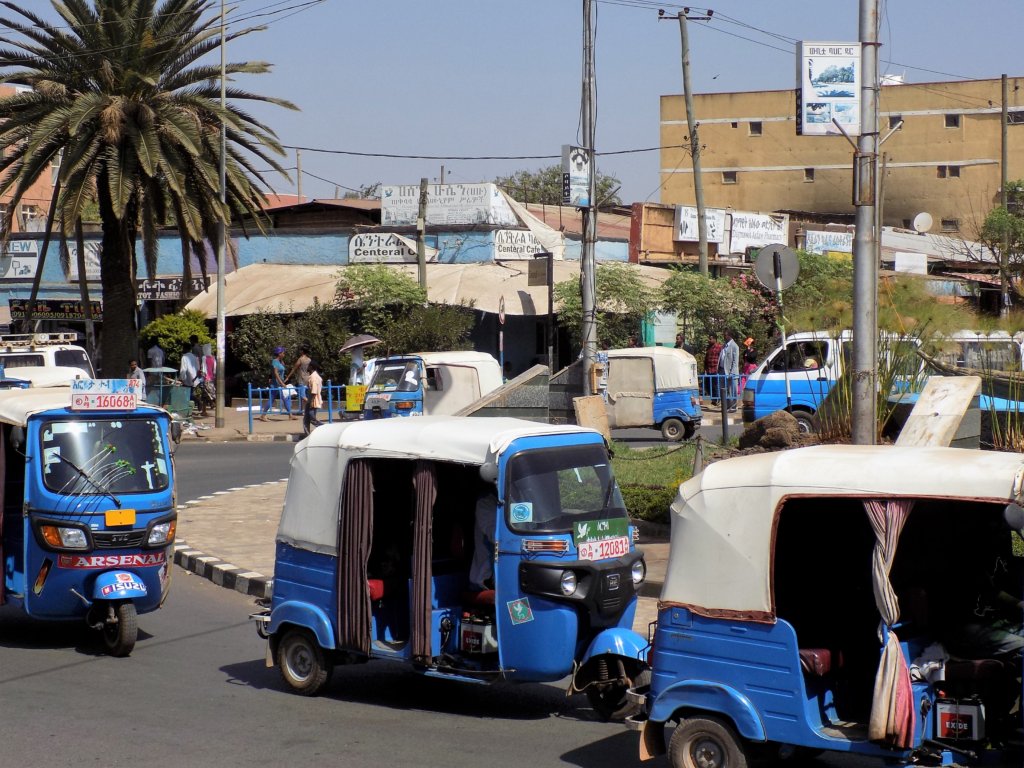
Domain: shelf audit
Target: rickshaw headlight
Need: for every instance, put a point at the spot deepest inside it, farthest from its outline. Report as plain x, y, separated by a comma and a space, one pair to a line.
568, 583
64, 538
161, 533
639, 572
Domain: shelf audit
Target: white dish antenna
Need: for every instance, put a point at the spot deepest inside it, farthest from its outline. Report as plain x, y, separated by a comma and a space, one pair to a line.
923, 222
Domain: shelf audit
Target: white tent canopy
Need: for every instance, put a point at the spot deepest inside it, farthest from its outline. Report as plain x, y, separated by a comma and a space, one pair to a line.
722, 519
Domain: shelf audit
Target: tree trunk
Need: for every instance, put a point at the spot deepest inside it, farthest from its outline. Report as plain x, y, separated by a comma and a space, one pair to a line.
119, 338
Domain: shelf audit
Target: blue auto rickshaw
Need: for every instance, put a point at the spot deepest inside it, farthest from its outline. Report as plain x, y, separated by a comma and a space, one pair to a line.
388, 524
653, 387
88, 511
841, 599
429, 383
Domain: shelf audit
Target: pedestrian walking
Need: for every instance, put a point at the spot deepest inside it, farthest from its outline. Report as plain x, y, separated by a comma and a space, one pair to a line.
314, 397
299, 374
155, 355
134, 372
749, 362
711, 355
189, 376
729, 369
276, 385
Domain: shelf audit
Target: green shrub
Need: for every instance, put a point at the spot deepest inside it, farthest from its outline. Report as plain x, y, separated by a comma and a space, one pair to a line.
648, 502
172, 332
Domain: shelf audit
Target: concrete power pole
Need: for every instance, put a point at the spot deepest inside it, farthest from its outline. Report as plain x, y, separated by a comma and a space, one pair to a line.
588, 282
222, 236
421, 232
1004, 287
865, 261
691, 125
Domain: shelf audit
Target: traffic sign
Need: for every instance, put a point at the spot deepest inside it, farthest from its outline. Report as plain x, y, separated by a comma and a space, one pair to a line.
776, 266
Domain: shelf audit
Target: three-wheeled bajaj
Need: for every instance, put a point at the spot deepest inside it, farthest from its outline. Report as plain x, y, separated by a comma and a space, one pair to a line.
88, 505
857, 599
429, 383
653, 387
475, 549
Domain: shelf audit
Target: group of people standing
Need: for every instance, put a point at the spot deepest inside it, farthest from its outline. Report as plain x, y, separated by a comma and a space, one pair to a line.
728, 363
305, 373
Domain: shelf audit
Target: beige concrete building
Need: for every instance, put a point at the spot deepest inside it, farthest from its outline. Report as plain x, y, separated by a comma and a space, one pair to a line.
944, 160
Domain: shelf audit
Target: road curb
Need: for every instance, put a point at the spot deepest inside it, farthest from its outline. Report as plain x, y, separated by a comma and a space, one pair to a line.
222, 573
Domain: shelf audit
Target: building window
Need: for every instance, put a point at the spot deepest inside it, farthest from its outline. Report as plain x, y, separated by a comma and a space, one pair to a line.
755, 128
908, 224
734, 124
808, 174
952, 121
940, 171
954, 171
29, 214
895, 120
948, 171
951, 225
1015, 118
728, 177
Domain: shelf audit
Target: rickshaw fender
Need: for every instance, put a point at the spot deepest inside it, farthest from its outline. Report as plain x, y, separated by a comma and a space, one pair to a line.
303, 615
118, 585
711, 698
617, 641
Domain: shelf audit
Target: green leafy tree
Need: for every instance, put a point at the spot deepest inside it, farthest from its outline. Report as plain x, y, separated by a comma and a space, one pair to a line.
377, 294
433, 328
122, 101
545, 186
623, 301
706, 305
172, 332
1003, 233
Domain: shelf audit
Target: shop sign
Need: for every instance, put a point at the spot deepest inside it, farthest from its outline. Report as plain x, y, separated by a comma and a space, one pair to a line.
169, 288
447, 204
54, 309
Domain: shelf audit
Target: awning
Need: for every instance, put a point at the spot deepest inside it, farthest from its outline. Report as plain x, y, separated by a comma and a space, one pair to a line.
291, 288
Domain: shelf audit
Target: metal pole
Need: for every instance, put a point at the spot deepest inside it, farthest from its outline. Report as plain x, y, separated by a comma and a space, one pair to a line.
588, 284
865, 265
421, 228
1004, 287
218, 414
551, 311
298, 174
691, 125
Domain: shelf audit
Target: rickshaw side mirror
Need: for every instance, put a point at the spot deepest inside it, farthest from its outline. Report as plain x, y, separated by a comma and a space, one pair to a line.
176, 431
17, 437
1013, 514
489, 472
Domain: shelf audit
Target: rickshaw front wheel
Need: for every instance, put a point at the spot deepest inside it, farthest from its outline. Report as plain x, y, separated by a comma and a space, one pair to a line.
121, 630
706, 742
611, 702
302, 663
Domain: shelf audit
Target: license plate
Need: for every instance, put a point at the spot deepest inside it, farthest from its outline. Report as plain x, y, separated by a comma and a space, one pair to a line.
604, 549
119, 517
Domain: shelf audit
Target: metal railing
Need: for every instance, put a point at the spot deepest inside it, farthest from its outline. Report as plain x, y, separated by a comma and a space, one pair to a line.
262, 400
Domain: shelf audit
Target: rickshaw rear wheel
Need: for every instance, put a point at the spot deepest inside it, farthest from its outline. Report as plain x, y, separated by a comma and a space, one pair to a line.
302, 662
119, 636
611, 702
675, 430
706, 742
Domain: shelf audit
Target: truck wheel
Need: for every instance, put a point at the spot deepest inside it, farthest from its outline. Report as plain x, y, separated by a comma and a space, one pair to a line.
675, 430
705, 742
302, 663
806, 422
119, 636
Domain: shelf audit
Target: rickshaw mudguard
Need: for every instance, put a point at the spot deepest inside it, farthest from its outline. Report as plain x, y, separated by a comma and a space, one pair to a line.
118, 585
710, 697
617, 641
303, 615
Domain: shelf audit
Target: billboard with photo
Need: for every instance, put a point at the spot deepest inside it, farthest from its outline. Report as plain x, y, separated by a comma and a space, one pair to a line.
828, 88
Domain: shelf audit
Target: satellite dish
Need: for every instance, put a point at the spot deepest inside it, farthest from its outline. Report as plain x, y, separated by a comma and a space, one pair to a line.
923, 222
765, 264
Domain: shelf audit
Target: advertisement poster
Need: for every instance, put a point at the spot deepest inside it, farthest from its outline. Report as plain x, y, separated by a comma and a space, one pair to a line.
828, 88
19, 260
686, 224
92, 261
446, 204
575, 176
757, 230
828, 242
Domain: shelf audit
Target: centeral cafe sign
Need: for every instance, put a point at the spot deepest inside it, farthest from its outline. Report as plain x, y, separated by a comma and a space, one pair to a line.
516, 244
446, 204
381, 248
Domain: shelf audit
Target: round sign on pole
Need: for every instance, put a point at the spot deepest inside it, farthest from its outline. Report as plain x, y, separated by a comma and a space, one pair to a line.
765, 266
501, 310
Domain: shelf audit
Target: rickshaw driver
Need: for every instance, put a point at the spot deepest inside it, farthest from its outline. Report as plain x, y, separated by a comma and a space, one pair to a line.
481, 570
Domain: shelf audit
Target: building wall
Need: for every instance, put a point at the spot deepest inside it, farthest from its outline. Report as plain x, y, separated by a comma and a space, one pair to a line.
778, 170
35, 203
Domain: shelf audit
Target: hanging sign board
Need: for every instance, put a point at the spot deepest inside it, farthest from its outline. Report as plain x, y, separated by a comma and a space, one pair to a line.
575, 176
686, 224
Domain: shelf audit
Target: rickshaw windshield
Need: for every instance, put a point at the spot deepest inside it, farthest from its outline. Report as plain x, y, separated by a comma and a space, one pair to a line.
400, 376
102, 456
549, 490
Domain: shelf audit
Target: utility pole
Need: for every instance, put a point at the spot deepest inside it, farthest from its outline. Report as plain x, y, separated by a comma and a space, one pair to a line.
691, 125
421, 231
865, 261
588, 282
298, 174
442, 174
1004, 287
218, 413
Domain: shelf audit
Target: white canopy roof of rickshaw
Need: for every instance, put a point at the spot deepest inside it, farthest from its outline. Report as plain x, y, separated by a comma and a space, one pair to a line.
722, 519
673, 368
17, 405
310, 516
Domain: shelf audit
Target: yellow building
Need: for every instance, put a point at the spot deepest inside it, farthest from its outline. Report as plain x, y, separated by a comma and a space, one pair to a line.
944, 160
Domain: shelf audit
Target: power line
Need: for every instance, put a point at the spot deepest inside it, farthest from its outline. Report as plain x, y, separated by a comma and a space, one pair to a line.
395, 156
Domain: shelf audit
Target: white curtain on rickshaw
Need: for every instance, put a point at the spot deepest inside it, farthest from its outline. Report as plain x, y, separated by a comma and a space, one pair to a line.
892, 703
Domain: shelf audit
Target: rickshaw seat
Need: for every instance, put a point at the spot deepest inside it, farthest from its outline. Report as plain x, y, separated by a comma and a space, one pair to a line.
482, 599
817, 662
376, 589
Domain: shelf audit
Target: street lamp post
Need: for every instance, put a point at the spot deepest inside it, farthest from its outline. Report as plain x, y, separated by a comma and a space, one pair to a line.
221, 230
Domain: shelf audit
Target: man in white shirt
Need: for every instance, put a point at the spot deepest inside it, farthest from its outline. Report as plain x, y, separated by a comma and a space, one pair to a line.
155, 355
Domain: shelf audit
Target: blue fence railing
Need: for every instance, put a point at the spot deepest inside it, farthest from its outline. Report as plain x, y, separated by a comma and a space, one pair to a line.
286, 400
714, 385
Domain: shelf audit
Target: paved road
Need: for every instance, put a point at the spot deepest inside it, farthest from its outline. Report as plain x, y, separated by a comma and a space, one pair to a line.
203, 468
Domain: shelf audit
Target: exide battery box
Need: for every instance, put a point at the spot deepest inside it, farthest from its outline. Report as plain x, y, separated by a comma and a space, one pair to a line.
960, 720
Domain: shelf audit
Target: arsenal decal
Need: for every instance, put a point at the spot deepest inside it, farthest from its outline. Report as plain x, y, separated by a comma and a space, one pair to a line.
145, 560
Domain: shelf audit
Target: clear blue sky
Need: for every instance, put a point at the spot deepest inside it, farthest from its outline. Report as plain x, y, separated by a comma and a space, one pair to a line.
482, 77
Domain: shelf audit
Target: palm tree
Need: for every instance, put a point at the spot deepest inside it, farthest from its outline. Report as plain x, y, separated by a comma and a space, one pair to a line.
122, 99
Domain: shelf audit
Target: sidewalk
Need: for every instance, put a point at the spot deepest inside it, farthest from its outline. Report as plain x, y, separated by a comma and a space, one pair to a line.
228, 538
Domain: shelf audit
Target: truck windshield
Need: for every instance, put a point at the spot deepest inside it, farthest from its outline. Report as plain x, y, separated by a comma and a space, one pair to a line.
398, 376
551, 489
101, 456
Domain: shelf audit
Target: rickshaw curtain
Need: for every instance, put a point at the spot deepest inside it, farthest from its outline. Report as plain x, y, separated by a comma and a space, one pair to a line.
355, 532
3, 484
892, 703
425, 482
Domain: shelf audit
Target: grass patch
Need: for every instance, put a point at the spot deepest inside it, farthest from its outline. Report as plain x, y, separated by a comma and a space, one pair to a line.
649, 477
